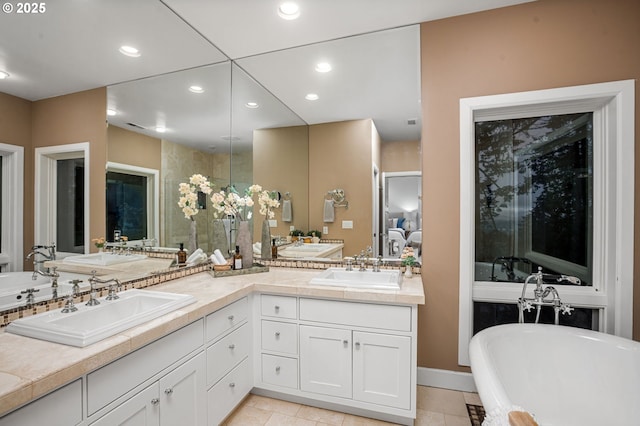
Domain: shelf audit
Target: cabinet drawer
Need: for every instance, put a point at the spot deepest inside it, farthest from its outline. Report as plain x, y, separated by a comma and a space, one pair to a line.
278, 306
109, 382
280, 337
279, 370
228, 392
226, 318
223, 355
386, 317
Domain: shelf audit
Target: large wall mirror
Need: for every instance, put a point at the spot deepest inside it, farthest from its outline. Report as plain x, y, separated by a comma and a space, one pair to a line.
252, 124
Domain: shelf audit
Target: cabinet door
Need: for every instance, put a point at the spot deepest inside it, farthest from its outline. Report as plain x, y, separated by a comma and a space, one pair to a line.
61, 407
325, 360
382, 369
183, 394
141, 410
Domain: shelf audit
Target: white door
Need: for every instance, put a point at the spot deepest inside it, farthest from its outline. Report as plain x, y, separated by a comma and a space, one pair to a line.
325, 361
141, 410
183, 395
382, 369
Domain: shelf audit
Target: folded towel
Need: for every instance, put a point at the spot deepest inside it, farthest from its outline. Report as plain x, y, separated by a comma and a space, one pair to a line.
329, 212
286, 211
220, 260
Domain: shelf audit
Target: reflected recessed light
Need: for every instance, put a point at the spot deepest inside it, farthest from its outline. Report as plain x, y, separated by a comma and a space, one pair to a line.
111, 112
196, 89
161, 129
252, 105
311, 97
323, 67
3, 75
129, 51
289, 10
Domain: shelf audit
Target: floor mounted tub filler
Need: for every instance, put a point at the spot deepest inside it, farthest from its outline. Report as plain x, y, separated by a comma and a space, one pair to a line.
561, 375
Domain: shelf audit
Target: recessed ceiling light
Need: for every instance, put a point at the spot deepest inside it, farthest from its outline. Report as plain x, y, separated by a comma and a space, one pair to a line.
252, 105
111, 112
129, 51
289, 10
161, 129
196, 89
311, 97
323, 67
3, 75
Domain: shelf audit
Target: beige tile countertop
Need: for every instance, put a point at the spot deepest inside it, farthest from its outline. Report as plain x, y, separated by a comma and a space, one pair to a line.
30, 368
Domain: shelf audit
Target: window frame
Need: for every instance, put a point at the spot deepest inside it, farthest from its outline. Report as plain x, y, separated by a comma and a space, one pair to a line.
612, 105
13, 207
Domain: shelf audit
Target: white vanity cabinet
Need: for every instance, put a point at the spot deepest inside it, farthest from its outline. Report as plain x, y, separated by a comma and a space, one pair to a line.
62, 407
229, 368
358, 355
176, 394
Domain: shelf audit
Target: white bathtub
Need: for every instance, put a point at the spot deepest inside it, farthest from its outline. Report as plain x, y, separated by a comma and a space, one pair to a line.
562, 375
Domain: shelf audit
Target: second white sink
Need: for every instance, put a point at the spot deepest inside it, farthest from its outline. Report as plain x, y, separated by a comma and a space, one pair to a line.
90, 324
385, 279
103, 259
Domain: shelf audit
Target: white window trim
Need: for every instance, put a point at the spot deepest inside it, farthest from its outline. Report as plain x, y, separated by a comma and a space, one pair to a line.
13, 206
45, 190
613, 198
153, 193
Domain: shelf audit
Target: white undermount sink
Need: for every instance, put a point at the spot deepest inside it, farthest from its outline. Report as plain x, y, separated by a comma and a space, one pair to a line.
104, 259
384, 279
90, 324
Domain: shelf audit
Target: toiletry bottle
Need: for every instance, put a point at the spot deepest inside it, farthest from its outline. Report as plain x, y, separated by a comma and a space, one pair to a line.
274, 249
182, 255
237, 259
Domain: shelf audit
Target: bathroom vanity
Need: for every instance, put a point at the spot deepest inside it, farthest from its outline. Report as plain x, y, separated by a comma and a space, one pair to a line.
271, 333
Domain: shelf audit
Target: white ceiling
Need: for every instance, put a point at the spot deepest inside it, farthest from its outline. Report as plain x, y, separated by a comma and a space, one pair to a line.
73, 46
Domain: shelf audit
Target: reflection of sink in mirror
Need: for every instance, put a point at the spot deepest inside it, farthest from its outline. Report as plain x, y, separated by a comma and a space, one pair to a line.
385, 279
90, 324
311, 250
104, 259
12, 283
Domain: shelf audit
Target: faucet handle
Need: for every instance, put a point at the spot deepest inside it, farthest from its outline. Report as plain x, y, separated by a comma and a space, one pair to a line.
566, 309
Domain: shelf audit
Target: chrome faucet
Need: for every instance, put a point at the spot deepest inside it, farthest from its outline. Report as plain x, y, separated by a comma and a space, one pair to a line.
362, 258
69, 306
30, 296
54, 275
506, 266
541, 293
93, 281
39, 250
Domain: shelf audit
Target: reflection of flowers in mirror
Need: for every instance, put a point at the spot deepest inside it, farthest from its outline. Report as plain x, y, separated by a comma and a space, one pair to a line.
268, 200
189, 194
408, 257
99, 242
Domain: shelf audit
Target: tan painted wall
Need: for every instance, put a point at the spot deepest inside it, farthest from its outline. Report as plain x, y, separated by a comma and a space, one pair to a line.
280, 162
135, 149
75, 118
333, 151
538, 45
401, 156
15, 129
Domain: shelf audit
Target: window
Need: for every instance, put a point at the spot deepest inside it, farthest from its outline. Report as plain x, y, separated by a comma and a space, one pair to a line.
132, 201
560, 195
11, 207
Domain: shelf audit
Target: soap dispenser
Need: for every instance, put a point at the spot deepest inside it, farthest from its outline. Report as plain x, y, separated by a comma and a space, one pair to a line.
274, 249
182, 255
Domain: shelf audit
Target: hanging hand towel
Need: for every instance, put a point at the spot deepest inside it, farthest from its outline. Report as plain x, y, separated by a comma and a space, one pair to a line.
286, 211
329, 212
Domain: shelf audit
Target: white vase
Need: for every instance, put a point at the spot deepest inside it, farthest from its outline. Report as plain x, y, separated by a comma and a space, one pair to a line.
408, 272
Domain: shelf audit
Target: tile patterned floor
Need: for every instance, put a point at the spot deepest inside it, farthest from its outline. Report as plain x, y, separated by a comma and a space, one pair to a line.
435, 407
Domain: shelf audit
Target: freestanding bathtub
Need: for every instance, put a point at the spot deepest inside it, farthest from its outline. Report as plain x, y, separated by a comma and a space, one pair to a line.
562, 375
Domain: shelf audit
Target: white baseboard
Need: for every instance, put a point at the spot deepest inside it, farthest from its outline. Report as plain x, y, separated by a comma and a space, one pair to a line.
446, 379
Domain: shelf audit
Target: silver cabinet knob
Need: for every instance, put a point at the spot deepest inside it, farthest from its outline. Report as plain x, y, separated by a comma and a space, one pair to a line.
232, 385
277, 334
155, 401
230, 317
346, 342
357, 345
278, 369
168, 391
277, 308
232, 346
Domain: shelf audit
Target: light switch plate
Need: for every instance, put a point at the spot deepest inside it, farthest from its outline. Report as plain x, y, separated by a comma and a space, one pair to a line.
325, 230
273, 223
347, 224
292, 228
